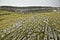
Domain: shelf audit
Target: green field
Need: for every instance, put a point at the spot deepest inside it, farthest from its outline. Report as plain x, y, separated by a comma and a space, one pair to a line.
32, 26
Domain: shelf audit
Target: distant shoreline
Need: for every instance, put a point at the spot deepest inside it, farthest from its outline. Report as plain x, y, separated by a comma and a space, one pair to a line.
28, 6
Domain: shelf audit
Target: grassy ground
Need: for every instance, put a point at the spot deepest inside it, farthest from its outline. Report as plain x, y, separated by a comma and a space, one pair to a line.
33, 22
7, 19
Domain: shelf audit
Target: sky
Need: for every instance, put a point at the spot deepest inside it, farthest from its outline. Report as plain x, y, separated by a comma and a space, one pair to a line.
30, 3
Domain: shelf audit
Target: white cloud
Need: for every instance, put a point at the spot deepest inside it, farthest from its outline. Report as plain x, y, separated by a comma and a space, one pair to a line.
30, 2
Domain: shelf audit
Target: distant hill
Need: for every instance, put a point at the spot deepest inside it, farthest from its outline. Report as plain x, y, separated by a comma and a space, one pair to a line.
30, 8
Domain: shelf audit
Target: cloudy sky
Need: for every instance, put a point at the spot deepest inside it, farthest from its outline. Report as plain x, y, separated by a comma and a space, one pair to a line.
30, 2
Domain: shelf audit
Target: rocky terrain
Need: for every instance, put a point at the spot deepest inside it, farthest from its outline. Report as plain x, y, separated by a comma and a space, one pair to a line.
44, 26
